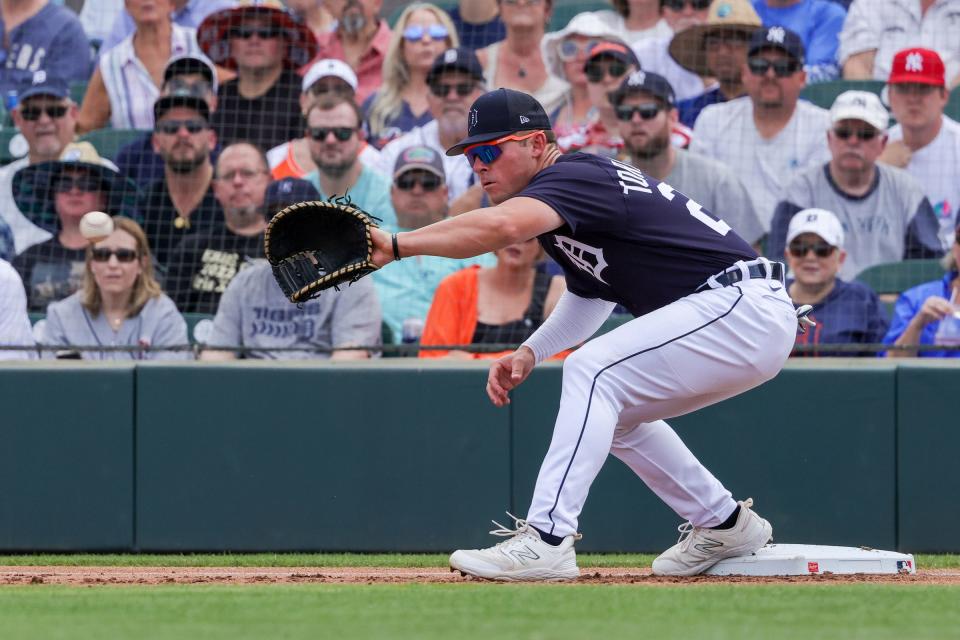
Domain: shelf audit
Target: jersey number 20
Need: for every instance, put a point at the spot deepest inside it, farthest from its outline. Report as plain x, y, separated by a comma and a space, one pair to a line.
696, 210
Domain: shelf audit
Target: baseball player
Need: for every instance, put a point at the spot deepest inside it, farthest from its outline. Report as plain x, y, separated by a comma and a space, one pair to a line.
711, 321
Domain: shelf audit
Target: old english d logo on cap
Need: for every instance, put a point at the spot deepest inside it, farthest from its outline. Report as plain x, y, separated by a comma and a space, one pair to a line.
499, 113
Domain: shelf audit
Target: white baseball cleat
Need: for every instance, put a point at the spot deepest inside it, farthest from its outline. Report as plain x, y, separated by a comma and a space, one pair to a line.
698, 548
524, 556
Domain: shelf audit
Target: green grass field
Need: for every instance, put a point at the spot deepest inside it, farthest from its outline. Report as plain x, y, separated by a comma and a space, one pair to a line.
466, 610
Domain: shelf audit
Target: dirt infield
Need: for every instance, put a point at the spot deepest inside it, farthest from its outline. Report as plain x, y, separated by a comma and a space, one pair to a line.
79, 576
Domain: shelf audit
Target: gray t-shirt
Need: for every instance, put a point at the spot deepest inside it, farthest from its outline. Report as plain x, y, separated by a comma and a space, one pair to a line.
718, 190
158, 324
253, 312
891, 222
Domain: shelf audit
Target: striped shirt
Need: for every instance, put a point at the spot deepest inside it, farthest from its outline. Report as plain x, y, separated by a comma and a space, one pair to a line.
129, 85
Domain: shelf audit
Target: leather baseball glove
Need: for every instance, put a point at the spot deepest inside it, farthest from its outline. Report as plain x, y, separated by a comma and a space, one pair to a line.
317, 245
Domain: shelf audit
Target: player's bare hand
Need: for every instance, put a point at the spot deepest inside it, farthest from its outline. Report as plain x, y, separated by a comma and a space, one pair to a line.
382, 247
507, 373
896, 153
934, 308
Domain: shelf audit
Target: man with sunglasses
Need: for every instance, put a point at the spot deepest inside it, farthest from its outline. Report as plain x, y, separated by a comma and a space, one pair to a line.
361, 39
646, 111
883, 208
845, 312
47, 118
266, 47
181, 203
189, 73
770, 136
419, 196
335, 137
818, 23
711, 321
924, 141
455, 81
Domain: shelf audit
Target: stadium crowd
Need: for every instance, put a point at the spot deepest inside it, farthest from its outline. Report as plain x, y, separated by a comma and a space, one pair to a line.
819, 130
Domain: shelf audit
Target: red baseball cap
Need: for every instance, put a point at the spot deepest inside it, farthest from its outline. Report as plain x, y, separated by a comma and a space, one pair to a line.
918, 66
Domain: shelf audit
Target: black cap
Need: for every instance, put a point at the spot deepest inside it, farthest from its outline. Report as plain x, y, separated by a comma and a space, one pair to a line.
644, 81
460, 59
181, 98
500, 113
777, 38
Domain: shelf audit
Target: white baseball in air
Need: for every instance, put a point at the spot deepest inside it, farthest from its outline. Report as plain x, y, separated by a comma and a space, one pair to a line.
96, 225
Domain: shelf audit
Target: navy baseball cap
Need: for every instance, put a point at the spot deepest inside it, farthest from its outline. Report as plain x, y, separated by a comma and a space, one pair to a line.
499, 113
459, 59
777, 37
191, 63
182, 97
288, 191
647, 82
44, 84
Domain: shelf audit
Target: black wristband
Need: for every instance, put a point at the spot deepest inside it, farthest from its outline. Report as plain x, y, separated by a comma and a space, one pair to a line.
396, 247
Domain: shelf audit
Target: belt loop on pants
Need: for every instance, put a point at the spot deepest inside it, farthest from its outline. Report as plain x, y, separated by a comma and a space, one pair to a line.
772, 272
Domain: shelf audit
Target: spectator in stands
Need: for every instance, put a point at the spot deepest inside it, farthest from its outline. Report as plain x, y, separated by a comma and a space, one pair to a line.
455, 81
419, 196
314, 14
845, 312
565, 53
326, 81
265, 47
254, 314
817, 22
883, 208
608, 64
635, 20
646, 112
182, 203
40, 39
335, 139
770, 136
924, 141
478, 23
186, 13
716, 49
121, 304
190, 73
876, 29
361, 40
516, 62
504, 304
400, 104
124, 86
15, 330
654, 53
56, 195
47, 118
929, 313
205, 263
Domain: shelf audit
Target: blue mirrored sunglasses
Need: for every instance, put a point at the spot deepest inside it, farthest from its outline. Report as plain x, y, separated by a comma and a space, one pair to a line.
490, 151
415, 33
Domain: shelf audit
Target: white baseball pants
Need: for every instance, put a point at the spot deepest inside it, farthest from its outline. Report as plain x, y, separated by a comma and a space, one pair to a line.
618, 389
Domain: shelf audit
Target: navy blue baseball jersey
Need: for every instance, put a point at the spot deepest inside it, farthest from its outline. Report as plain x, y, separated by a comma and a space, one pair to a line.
629, 238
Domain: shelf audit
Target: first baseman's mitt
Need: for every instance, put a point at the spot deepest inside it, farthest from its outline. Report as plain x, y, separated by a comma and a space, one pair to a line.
317, 245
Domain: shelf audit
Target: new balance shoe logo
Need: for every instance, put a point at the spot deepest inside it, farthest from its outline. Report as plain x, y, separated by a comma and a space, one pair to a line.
522, 555
708, 546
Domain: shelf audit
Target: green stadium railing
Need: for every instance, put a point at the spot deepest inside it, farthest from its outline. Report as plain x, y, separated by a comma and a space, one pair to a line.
108, 142
823, 94
893, 278
952, 109
77, 91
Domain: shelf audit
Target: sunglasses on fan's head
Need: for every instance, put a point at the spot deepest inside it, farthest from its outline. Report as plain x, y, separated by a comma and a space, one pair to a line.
488, 152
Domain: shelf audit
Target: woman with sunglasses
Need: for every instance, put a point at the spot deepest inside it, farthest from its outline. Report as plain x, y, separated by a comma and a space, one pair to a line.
929, 313
423, 32
55, 196
127, 80
503, 304
516, 62
121, 304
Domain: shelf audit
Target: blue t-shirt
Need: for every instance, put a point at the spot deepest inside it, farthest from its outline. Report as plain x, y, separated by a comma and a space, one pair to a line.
52, 41
908, 305
691, 107
818, 23
477, 36
371, 192
629, 238
850, 314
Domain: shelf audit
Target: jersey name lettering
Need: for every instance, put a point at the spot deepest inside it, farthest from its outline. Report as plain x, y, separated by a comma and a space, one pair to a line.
585, 257
630, 174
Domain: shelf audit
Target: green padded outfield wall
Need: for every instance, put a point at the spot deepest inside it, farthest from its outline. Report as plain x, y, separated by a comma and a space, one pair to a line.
928, 411
66, 458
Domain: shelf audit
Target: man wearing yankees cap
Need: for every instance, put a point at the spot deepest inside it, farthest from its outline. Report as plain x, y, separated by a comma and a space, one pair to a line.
711, 321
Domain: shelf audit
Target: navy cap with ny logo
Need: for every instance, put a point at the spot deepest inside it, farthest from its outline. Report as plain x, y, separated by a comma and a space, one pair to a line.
500, 113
